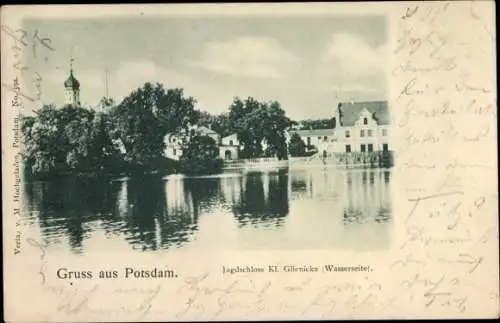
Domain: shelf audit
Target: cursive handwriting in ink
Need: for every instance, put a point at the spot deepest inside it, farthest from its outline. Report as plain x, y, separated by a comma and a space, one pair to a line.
410, 12
417, 201
45, 42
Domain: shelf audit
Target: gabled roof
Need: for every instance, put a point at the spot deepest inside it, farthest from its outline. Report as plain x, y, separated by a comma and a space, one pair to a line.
350, 111
205, 131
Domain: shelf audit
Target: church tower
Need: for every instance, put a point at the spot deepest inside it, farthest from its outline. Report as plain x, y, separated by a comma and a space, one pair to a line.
72, 88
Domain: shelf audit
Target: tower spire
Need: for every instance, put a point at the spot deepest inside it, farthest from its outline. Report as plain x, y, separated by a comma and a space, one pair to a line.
72, 86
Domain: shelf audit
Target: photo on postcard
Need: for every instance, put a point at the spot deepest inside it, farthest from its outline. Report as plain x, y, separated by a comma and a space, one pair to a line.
264, 162
245, 133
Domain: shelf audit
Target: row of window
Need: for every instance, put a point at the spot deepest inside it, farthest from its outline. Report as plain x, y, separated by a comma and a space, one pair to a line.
368, 133
367, 148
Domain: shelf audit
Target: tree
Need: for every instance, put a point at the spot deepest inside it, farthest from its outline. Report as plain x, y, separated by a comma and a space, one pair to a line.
104, 155
200, 156
275, 123
219, 123
297, 147
44, 142
144, 117
106, 103
67, 140
254, 122
317, 124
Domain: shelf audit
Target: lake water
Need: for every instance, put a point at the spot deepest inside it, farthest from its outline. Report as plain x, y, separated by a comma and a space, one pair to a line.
322, 208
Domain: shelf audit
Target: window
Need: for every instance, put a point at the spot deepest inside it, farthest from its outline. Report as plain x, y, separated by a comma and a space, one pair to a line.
384, 132
363, 148
347, 134
365, 121
319, 138
230, 142
370, 148
308, 141
175, 152
370, 133
325, 138
347, 148
385, 147
362, 133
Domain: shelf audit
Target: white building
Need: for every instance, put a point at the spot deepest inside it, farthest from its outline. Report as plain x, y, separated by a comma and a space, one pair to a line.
173, 142
364, 127
319, 138
230, 147
358, 127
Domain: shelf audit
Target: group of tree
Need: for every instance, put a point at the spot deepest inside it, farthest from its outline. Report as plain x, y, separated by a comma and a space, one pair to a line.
312, 124
70, 139
129, 137
122, 138
257, 122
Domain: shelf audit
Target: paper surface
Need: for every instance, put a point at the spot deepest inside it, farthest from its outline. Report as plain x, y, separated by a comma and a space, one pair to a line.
438, 259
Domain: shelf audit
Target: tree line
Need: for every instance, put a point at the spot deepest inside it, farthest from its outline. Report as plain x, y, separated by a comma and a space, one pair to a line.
128, 137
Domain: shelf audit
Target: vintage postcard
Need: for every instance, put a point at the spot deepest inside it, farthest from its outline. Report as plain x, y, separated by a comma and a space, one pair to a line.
209, 162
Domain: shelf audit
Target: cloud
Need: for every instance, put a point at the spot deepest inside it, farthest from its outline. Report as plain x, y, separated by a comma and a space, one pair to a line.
353, 56
254, 57
126, 78
131, 75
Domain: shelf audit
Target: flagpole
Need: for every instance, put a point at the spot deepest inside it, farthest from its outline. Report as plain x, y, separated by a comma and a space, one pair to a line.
106, 84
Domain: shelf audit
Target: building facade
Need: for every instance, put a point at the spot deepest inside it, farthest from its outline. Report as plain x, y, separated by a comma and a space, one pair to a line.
230, 147
174, 142
358, 127
364, 127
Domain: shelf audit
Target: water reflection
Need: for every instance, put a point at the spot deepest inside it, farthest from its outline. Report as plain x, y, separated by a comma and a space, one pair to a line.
275, 209
367, 197
263, 199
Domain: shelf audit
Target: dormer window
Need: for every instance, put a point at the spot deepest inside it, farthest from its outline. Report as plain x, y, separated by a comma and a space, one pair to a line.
365, 121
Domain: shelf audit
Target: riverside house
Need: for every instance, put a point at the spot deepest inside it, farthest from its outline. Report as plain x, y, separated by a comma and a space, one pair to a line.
360, 133
173, 142
358, 127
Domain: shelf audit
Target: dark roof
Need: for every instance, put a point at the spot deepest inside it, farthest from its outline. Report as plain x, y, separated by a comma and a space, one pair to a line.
313, 132
72, 82
349, 112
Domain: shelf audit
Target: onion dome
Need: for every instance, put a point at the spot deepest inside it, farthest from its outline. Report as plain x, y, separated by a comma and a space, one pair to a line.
72, 82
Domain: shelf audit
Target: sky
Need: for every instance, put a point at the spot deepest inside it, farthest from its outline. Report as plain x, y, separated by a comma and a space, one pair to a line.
308, 64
